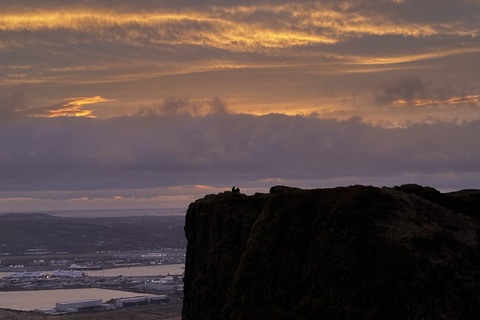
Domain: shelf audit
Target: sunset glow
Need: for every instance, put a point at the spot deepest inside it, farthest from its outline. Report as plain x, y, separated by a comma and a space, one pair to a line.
474, 99
144, 103
73, 107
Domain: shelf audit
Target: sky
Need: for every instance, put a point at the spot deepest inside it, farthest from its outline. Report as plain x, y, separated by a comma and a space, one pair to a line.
152, 104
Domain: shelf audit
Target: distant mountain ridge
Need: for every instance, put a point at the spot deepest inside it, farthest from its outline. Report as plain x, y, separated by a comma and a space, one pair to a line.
359, 252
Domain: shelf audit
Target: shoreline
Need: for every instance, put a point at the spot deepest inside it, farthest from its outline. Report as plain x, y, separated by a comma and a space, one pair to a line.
113, 272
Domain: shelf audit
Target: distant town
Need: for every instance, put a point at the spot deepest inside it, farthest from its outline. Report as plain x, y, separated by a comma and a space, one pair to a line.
88, 262
104, 253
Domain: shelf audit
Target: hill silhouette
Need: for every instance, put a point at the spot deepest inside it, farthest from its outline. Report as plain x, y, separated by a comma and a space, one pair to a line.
359, 252
21, 231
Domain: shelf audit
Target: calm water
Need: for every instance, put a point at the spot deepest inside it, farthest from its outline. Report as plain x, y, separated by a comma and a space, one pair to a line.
30, 300
39, 299
150, 271
160, 270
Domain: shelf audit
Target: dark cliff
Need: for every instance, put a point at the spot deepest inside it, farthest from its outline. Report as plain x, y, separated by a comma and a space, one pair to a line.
408, 252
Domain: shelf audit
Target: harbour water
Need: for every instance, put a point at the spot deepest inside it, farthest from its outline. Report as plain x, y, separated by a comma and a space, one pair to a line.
147, 271
30, 300
150, 271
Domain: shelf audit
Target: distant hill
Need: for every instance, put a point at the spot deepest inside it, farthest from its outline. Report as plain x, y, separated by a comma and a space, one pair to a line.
22, 232
359, 252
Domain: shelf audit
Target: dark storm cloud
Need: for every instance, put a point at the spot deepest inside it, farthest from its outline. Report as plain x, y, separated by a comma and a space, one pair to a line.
163, 150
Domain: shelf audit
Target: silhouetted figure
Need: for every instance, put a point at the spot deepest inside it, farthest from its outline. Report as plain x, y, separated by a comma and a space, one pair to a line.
235, 190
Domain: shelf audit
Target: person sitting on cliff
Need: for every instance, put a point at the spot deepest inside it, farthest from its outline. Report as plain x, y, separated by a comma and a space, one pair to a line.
235, 190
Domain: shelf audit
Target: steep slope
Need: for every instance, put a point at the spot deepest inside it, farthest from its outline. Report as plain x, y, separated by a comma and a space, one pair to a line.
345, 253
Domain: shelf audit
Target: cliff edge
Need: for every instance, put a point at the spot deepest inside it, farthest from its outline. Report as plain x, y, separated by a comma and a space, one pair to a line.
358, 252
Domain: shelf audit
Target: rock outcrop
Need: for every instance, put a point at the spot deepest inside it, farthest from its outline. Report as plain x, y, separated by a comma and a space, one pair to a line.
358, 252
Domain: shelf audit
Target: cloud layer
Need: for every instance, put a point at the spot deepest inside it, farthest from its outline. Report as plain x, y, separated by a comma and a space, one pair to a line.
82, 42
159, 149
103, 102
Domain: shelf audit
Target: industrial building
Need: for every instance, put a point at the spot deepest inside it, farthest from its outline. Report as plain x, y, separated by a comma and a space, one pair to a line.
81, 306
68, 274
26, 274
99, 305
141, 301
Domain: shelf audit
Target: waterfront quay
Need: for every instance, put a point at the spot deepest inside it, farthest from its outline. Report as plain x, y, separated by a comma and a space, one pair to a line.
153, 279
138, 286
79, 300
43, 260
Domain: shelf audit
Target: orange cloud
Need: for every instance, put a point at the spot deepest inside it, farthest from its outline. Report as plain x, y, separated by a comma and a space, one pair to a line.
203, 187
283, 31
439, 53
172, 28
73, 107
238, 28
471, 99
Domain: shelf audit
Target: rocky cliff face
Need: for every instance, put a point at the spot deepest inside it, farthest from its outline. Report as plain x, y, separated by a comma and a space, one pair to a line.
357, 252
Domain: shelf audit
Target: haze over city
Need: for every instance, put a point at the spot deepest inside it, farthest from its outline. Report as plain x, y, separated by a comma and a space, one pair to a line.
152, 104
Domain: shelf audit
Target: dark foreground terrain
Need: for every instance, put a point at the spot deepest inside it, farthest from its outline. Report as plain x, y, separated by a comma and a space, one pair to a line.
357, 252
171, 312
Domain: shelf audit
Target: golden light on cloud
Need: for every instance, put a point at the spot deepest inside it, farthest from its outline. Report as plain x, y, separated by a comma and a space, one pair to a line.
73, 107
439, 53
203, 187
232, 28
171, 28
297, 110
452, 101
267, 57
207, 38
